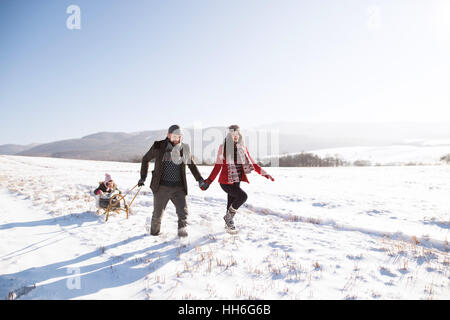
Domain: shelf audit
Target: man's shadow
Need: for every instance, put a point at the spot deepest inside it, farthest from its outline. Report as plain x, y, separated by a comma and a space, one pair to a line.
114, 272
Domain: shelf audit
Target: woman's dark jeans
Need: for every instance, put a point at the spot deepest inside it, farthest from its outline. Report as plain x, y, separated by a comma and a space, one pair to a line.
236, 196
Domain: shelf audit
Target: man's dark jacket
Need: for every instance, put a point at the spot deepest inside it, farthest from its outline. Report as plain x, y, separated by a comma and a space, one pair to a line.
157, 152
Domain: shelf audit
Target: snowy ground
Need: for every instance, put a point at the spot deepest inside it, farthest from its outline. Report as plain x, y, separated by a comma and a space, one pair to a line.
314, 233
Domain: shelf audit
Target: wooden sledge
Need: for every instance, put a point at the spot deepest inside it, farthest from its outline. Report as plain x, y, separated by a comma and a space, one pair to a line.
114, 204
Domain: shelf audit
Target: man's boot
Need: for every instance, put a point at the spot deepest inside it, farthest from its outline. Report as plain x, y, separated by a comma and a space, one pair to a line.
182, 232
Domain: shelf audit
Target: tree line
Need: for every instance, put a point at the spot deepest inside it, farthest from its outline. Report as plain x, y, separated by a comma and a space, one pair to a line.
306, 159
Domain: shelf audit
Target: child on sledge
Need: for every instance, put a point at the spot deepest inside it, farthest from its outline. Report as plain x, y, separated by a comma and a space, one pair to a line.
106, 187
104, 191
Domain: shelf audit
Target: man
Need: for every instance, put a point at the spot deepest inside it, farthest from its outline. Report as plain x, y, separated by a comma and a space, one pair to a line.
169, 178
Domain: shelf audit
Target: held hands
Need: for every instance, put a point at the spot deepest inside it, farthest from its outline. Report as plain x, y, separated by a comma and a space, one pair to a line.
140, 182
204, 184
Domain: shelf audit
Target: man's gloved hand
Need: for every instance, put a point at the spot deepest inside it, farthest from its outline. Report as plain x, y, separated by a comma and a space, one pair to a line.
141, 182
268, 176
201, 183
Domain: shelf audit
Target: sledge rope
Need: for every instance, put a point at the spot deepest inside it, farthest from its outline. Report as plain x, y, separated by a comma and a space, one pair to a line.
120, 198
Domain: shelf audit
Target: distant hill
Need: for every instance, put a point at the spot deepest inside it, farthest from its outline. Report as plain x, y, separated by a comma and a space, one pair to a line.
294, 137
116, 146
386, 155
106, 146
12, 149
297, 136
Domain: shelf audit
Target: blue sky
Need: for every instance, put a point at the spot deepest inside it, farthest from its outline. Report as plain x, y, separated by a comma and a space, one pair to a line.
143, 65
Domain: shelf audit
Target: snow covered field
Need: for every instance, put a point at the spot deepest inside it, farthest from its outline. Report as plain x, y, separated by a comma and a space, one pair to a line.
314, 233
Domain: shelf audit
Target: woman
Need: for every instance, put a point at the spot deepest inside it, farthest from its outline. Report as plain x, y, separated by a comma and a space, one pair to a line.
234, 163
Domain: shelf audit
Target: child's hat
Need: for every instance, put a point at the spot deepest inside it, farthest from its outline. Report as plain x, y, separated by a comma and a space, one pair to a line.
107, 178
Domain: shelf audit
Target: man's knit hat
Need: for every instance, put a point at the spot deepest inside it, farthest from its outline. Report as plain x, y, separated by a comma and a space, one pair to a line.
175, 129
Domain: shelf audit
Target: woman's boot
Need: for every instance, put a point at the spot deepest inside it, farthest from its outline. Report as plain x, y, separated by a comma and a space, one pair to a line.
229, 223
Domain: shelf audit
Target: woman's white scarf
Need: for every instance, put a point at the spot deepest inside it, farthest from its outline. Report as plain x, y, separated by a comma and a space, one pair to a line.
242, 159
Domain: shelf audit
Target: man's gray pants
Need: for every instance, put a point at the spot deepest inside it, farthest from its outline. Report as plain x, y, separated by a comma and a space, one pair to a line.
160, 200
